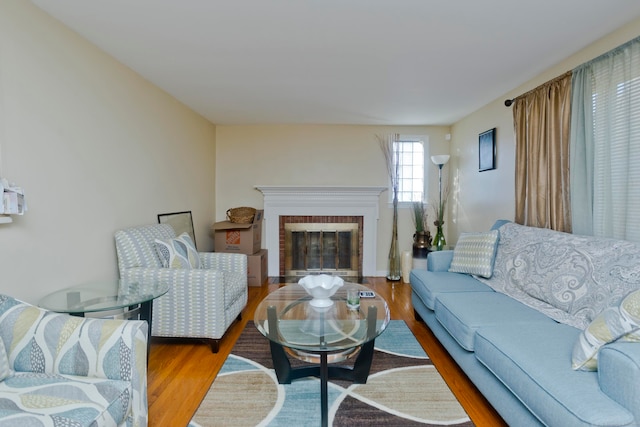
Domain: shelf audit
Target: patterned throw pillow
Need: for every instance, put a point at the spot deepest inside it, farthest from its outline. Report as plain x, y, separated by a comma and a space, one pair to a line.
474, 253
179, 252
5, 370
614, 323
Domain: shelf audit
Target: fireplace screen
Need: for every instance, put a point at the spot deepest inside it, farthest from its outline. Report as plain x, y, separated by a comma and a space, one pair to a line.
322, 248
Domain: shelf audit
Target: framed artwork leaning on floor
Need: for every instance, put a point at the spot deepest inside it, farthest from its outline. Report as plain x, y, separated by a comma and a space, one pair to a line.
182, 222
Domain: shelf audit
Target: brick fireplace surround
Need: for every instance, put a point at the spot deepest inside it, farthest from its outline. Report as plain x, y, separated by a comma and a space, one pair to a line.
293, 201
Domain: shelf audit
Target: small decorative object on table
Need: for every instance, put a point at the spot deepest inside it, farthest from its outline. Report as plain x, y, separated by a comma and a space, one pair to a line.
353, 298
321, 287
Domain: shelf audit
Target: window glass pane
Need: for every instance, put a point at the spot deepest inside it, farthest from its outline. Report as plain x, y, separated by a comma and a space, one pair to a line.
411, 170
616, 151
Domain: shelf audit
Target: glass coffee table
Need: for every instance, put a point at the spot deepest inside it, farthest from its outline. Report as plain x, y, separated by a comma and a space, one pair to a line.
132, 300
321, 336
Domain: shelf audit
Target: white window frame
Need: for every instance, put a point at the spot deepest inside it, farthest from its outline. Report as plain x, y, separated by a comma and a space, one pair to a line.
424, 139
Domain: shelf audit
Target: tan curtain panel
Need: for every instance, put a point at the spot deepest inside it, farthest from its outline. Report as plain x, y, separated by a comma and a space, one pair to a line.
542, 122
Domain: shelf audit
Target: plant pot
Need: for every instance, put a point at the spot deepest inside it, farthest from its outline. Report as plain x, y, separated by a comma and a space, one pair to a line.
421, 244
439, 241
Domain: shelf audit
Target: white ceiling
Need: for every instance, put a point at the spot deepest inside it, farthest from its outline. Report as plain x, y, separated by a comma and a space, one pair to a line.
384, 62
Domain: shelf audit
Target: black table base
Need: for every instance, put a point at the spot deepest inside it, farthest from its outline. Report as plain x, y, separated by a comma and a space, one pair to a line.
358, 373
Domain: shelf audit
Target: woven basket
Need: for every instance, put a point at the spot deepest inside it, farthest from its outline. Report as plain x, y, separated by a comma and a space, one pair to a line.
242, 215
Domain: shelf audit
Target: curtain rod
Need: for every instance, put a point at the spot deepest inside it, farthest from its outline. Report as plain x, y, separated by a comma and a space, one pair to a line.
509, 102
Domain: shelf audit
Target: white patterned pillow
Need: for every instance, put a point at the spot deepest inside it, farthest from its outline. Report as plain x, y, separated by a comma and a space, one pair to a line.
179, 252
614, 323
5, 370
474, 253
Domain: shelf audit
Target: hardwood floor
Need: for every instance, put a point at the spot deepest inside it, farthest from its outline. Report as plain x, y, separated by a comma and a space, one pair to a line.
181, 372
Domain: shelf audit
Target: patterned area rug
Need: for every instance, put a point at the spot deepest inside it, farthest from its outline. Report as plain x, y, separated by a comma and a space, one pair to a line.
403, 389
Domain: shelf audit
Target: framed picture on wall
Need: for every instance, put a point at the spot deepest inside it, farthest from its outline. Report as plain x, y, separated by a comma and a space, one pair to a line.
487, 150
180, 221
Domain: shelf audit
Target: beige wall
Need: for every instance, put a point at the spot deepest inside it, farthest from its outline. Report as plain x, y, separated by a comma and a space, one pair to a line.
98, 148
314, 155
95, 147
486, 196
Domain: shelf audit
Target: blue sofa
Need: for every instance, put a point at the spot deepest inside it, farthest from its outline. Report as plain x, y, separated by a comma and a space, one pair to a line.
514, 333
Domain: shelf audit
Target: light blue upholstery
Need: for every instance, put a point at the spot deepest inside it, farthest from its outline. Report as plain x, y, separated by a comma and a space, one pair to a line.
540, 375
443, 282
463, 313
515, 352
439, 260
503, 400
71, 371
619, 374
201, 302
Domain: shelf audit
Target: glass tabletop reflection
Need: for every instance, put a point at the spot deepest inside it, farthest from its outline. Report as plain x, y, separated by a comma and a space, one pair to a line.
303, 325
103, 296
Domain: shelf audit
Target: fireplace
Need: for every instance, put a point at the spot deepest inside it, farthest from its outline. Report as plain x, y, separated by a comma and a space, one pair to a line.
334, 202
320, 244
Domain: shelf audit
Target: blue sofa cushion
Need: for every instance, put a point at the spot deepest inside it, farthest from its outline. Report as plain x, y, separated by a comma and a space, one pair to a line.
442, 282
463, 313
533, 360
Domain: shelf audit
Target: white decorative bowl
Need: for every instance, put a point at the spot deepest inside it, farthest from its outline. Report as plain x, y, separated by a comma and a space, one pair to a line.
321, 287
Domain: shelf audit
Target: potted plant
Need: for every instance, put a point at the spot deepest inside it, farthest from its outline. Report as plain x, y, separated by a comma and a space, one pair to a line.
422, 236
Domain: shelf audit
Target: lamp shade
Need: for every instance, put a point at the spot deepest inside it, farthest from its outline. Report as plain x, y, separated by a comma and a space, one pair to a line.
440, 159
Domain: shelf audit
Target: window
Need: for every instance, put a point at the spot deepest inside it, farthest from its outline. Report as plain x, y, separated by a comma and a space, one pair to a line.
605, 150
411, 184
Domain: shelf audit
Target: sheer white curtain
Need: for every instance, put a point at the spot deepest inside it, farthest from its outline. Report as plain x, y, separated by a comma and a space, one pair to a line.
605, 145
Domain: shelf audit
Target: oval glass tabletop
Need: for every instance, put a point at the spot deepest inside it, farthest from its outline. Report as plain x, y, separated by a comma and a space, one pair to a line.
103, 296
303, 325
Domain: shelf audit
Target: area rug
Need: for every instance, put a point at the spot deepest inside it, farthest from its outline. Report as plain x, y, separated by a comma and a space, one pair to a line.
403, 389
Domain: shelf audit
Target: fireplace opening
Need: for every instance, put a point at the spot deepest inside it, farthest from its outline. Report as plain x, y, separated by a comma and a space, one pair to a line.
321, 245
321, 248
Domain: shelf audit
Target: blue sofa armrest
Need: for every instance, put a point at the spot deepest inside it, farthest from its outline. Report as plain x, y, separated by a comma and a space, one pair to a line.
499, 223
619, 374
439, 260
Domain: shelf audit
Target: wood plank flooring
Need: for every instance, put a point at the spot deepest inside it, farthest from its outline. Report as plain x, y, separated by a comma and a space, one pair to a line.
180, 372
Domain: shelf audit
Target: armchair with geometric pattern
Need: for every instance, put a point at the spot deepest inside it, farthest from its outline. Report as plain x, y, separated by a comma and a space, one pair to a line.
207, 290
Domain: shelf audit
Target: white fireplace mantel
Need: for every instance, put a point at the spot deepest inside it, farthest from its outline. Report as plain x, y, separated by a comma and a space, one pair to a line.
322, 201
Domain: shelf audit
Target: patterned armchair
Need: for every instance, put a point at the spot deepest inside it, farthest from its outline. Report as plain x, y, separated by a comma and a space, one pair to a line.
201, 302
62, 370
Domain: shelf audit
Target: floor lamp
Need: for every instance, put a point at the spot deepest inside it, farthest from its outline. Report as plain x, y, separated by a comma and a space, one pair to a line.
439, 241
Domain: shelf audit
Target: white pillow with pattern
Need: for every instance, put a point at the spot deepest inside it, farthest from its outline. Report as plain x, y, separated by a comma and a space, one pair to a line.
614, 323
179, 252
474, 253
